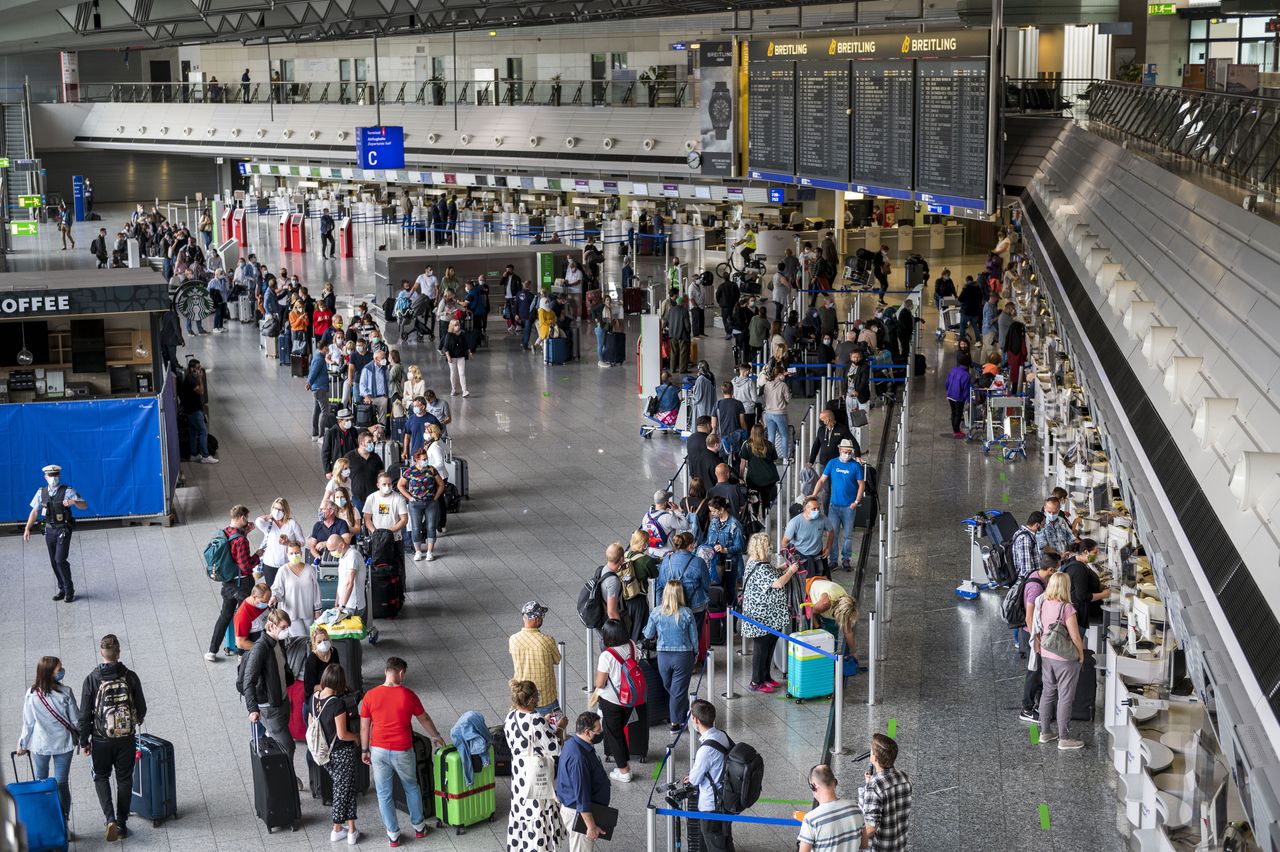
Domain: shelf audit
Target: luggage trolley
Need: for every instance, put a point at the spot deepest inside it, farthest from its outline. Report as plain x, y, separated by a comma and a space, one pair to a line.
949, 318
326, 568
1005, 426
682, 425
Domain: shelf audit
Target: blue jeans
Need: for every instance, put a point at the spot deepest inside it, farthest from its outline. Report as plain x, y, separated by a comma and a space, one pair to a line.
529, 323
599, 343
402, 763
841, 518
199, 435
61, 771
548, 708
775, 424
199, 327
967, 320
676, 668
425, 517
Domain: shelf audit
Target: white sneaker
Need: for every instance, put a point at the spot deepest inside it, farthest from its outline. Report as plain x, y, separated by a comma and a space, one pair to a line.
620, 776
430, 557
210, 657
208, 460
353, 838
335, 836
418, 556
466, 393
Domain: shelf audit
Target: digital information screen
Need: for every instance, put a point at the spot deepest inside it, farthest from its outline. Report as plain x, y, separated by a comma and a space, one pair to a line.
951, 108
883, 140
771, 119
822, 123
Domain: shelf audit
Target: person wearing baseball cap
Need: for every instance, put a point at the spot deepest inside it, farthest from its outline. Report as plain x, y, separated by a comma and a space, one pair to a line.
848, 482
54, 501
535, 655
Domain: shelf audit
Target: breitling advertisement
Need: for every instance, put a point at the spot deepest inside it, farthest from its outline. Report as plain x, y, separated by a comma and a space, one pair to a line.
715, 63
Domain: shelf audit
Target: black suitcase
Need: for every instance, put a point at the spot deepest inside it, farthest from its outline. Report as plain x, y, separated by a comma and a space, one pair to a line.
1000, 528
920, 365
868, 511
501, 752
655, 693
615, 347
716, 615
298, 366
321, 783
364, 415
422, 759
283, 347
697, 320
1086, 698
387, 591
351, 658
637, 737
155, 790
275, 787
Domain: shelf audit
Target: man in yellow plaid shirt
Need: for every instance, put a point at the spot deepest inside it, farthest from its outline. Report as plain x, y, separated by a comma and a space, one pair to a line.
535, 656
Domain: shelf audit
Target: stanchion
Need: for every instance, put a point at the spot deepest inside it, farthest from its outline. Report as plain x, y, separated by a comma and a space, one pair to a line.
873, 630
650, 830
591, 662
671, 778
729, 694
879, 599
884, 561
837, 742
690, 734
560, 674
710, 671
902, 462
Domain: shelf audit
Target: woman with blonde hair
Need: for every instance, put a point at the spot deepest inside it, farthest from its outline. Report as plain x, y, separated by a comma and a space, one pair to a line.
534, 824
676, 632
1061, 652
414, 385
438, 455
764, 599
321, 655
759, 460
638, 568
339, 476
279, 530
836, 611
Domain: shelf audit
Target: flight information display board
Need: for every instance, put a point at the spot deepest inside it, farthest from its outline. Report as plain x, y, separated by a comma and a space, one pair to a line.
883, 141
951, 111
822, 122
771, 103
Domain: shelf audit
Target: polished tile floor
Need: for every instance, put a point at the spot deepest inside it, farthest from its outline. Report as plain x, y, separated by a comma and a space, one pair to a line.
557, 472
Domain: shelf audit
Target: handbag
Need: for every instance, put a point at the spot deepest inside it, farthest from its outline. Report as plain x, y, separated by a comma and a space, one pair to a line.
1057, 640
539, 775
858, 418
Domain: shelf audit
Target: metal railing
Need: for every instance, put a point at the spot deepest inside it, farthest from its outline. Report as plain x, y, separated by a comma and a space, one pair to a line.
440, 93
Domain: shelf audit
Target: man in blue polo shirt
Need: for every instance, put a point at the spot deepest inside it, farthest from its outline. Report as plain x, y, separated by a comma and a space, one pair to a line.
581, 782
848, 480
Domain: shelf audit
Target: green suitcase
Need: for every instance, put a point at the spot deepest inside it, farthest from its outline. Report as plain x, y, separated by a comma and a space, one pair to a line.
457, 804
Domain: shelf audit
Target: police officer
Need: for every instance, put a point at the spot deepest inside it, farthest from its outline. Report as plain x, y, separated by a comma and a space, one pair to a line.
53, 501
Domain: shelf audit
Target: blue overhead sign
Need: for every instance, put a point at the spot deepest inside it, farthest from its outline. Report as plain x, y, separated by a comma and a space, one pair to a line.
380, 147
777, 196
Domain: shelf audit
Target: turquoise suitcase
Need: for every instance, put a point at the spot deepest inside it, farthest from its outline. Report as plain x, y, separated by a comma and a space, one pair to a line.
809, 674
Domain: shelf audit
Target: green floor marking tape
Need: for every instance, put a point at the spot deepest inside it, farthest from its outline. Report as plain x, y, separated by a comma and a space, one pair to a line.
893, 729
1002, 476
1035, 734
803, 803
1044, 817
657, 770
546, 393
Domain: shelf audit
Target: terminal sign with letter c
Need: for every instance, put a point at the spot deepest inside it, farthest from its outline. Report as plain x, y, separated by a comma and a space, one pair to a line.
380, 147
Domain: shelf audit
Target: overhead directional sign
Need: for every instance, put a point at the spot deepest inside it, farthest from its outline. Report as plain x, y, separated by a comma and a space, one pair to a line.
28, 201
380, 147
24, 229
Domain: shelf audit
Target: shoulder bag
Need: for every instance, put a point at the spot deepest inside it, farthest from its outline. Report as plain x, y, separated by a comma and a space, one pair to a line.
539, 774
1057, 639
56, 715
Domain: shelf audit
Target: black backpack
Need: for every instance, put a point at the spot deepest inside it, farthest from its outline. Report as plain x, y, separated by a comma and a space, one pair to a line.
741, 778
1013, 608
591, 606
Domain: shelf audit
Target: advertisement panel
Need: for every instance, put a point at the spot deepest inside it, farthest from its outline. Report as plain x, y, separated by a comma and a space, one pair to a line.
719, 108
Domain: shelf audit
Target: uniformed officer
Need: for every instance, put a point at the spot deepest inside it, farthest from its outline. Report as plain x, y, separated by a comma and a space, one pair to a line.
53, 502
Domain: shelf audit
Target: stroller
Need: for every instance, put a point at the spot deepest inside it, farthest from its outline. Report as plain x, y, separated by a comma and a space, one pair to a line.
417, 320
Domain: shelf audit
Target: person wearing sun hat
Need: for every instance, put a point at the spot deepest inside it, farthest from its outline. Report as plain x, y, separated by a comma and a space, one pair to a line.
54, 501
535, 655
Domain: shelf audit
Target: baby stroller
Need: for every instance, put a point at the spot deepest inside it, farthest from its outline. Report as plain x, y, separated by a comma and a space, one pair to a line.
417, 320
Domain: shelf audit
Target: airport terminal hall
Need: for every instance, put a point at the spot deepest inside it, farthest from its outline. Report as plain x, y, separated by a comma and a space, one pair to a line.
591, 425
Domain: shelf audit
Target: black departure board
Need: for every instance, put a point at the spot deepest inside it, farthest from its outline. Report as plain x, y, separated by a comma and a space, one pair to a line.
883, 141
822, 120
951, 111
771, 118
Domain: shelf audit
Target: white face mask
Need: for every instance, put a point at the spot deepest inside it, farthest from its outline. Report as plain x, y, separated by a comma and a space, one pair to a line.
323, 647
422, 464
295, 558
813, 514
52, 480
385, 489
346, 473
278, 514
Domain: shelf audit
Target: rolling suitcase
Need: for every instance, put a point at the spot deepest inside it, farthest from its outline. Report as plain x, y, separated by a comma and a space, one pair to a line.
397, 429
615, 347
556, 350
283, 348
155, 788
351, 657
246, 309
387, 591
298, 366
364, 415
655, 693
457, 804
809, 674
1086, 698
275, 787
501, 752
633, 299
456, 472
919, 365
422, 763
297, 711
717, 616
39, 809
868, 511
233, 311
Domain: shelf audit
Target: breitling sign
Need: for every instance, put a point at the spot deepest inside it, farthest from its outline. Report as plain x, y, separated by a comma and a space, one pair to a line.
956, 43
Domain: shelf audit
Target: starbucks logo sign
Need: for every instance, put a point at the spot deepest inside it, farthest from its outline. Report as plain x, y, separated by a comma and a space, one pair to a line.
192, 301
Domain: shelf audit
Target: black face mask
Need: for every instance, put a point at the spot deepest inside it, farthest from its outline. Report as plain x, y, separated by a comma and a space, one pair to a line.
597, 738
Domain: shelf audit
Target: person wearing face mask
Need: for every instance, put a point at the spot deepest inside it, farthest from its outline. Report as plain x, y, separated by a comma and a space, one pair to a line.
49, 717
725, 538
812, 535
236, 590
297, 589
423, 487
377, 344
358, 357
439, 408
321, 655
375, 384
415, 428
251, 617
385, 509
848, 482
329, 524
344, 507
338, 477
279, 530
340, 440
581, 782
365, 465
456, 352
54, 501
1056, 532
1087, 591
266, 680
764, 599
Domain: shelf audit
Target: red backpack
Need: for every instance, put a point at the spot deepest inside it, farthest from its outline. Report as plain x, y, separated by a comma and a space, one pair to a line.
631, 686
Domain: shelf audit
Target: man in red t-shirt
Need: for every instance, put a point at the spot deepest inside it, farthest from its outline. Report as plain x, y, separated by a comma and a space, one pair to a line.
386, 742
251, 617
234, 591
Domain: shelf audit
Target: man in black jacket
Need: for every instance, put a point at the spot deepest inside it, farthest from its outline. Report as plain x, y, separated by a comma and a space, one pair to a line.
971, 299
338, 440
112, 709
727, 300
266, 679
98, 248
327, 246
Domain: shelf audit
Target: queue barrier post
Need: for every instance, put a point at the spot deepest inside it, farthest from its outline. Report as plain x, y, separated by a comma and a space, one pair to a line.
591, 661
710, 671
560, 672
671, 778
884, 561
879, 599
650, 829
892, 497
873, 633
729, 694
689, 734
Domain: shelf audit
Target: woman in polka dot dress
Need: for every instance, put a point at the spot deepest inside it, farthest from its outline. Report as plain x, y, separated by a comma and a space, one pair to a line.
534, 825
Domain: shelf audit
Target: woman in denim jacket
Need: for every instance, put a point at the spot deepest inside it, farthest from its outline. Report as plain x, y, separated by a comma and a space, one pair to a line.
676, 630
